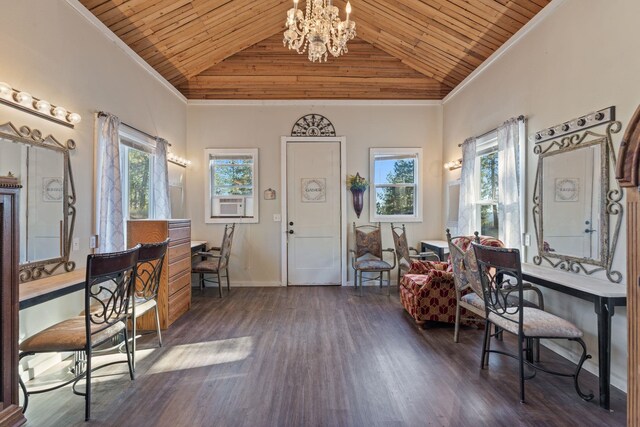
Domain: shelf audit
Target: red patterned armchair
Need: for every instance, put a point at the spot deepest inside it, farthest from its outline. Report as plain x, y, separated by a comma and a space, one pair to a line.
428, 291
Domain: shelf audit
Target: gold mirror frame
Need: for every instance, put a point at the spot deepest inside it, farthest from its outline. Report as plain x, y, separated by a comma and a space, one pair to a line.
33, 137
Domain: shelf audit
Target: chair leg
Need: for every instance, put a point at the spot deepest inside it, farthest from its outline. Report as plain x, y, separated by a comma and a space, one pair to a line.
521, 367
388, 283
87, 396
157, 328
456, 330
583, 358
228, 285
361, 284
133, 341
201, 276
485, 345
129, 359
219, 285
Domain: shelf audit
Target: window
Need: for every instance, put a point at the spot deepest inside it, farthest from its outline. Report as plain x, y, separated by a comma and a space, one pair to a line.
232, 176
487, 185
395, 184
136, 168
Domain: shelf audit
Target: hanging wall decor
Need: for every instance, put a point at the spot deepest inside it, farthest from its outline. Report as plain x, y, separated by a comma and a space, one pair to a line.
313, 125
357, 185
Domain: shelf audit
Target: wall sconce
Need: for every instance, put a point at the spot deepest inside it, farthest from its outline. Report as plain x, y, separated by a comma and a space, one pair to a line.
177, 160
24, 101
453, 165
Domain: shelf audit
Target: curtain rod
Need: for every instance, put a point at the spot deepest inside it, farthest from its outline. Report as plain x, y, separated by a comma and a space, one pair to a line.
103, 114
520, 118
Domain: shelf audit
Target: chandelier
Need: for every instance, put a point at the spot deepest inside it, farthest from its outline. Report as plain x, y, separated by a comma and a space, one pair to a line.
319, 30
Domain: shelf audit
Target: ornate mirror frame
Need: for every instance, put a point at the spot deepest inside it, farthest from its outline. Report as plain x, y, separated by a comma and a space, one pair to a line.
33, 137
610, 206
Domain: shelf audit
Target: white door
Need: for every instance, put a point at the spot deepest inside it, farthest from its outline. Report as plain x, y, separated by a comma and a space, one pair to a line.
313, 213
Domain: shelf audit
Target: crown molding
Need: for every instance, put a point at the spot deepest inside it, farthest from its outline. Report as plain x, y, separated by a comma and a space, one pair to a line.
315, 102
91, 18
519, 35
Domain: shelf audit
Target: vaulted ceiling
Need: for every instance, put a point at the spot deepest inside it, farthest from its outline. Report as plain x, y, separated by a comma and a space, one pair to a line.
232, 49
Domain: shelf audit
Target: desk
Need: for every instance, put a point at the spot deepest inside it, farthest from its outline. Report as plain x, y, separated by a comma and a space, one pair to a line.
42, 290
198, 246
605, 296
440, 247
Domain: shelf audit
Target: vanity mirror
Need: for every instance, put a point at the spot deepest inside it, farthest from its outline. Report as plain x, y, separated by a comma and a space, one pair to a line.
576, 206
47, 200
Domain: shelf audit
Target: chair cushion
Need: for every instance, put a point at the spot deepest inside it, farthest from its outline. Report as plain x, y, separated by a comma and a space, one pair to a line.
206, 266
143, 305
368, 243
69, 335
537, 323
372, 265
473, 299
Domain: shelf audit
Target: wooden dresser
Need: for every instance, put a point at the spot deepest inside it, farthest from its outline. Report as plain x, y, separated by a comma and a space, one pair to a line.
174, 295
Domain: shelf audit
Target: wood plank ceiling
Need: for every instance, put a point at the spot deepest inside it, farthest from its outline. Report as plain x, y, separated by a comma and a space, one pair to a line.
232, 49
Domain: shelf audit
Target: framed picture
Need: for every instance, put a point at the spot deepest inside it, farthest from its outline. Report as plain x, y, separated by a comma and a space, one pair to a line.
314, 190
52, 189
567, 189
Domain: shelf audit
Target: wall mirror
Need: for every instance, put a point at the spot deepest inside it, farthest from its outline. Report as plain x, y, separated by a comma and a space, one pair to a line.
576, 206
47, 200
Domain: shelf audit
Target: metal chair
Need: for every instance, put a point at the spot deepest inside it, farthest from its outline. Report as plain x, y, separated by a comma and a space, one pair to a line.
145, 294
501, 276
403, 251
210, 263
107, 293
367, 257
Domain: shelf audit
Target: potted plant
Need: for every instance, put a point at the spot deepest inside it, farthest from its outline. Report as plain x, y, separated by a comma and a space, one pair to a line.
357, 185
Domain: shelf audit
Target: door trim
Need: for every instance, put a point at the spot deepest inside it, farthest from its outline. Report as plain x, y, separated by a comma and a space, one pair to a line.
284, 273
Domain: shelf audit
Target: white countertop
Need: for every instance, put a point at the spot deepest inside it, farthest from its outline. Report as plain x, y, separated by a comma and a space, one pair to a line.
579, 282
195, 243
436, 243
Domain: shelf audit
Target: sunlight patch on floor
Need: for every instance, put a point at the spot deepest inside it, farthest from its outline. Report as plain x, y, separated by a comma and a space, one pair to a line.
201, 354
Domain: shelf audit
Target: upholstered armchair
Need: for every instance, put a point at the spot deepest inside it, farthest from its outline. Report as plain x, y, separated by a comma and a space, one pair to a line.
427, 290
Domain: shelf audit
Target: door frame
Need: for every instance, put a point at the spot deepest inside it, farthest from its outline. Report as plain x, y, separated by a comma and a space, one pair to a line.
284, 273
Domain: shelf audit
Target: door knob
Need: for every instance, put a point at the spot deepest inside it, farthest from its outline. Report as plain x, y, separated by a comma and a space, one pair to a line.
290, 231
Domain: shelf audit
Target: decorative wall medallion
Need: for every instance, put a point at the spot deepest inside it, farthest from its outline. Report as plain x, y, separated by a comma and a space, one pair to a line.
567, 189
313, 125
314, 190
52, 189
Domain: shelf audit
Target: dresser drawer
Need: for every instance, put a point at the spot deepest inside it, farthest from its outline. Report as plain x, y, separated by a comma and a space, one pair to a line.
179, 282
179, 234
180, 251
179, 267
179, 303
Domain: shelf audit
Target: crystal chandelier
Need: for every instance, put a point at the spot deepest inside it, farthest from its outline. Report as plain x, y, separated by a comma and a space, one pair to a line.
319, 30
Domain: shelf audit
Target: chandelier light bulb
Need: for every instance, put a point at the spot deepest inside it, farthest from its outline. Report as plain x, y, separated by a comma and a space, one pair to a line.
42, 106
59, 113
348, 9
5, 89
74, 118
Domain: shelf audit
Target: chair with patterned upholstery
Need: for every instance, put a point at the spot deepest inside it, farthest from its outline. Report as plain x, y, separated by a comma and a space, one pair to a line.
468, 288
367, 257
501, 277
209, 263
403, 251
107, 294
427, 290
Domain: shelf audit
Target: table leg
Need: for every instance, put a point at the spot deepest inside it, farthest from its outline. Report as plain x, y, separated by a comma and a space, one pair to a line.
604, 310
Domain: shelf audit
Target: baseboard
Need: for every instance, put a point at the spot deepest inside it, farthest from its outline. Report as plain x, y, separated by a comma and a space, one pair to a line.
589, 365
38, 364
235, 284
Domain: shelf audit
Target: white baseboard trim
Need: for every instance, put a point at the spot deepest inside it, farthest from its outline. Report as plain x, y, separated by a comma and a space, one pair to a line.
235, 284
40, 363
589, 365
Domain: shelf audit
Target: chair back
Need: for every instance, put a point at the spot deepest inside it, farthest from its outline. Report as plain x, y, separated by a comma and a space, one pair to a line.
109, 280
498, 268
225, 248
402, 247
458, 254
149, 269
368, 240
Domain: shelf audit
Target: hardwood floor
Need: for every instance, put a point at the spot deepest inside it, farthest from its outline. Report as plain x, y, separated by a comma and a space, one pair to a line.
320, 357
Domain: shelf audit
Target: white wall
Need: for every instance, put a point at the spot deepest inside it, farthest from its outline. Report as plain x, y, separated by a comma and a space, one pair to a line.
578, 59
256, 247
51, 51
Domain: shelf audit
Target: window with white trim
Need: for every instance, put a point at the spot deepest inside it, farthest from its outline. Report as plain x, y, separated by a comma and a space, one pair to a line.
136, 171
231, 193
396, 184
486, 171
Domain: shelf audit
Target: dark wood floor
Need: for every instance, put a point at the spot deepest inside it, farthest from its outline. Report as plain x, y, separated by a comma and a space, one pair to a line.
320, 357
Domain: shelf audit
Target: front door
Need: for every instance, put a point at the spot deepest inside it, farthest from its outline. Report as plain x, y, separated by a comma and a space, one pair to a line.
313, 213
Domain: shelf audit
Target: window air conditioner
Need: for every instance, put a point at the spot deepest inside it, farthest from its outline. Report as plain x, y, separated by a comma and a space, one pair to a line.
230, 206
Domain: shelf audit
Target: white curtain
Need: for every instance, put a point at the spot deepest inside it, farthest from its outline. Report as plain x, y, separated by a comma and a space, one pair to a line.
109, 197
162, 205
467, 209
509, 183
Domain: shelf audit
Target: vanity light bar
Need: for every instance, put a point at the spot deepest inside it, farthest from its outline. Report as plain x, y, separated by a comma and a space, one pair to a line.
454, 164
177, 160
24, 101
587, 121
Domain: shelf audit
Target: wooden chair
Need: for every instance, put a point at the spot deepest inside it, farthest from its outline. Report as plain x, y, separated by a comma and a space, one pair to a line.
145, 294
213, 264
403, 251
107, 294
367, 257
500, 277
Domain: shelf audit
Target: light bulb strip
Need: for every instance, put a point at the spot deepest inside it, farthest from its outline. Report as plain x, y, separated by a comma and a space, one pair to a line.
595, 118
454, 164
23, 101
177, 160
